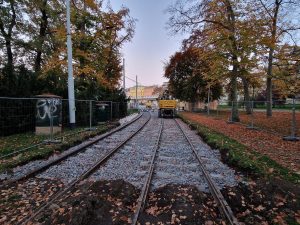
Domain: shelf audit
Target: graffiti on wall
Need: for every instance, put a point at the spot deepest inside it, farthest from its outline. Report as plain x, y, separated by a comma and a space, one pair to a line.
47, 109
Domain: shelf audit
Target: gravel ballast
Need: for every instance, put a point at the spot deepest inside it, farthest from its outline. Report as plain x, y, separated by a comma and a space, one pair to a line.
74, 166
20, 171
175, 162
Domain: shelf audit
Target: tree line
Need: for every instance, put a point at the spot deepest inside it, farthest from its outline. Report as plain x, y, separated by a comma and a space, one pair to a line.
33, 56
235, 45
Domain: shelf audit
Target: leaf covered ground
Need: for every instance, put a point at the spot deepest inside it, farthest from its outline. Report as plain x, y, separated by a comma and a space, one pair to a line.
113, 203
285, 153
280, 123
19, 200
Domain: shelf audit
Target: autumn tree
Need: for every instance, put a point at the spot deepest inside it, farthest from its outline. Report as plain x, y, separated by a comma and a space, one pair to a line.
33, 39
97, 39
9, 18
281, 21
286, 68
220, 25
42, 19
187, 74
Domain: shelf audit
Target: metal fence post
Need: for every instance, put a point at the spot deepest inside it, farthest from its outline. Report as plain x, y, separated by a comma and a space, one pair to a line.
51, 110
90, 116
208, 100
111, 110
293, 136
51, 119
251, 126
230, 120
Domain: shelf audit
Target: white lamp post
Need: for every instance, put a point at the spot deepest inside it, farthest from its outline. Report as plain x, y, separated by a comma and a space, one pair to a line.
71, 94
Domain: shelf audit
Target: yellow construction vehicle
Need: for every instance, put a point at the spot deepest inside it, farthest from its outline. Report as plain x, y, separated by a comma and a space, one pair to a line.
167, 106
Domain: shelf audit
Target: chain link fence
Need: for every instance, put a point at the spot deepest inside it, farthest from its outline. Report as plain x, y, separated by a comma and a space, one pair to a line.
27, 123
285, 119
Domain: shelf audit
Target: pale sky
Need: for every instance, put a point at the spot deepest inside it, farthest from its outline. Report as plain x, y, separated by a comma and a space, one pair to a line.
152, 45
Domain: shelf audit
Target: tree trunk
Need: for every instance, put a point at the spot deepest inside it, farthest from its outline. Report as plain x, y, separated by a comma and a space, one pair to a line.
269, 96
41, 38
234, 51
270, 60
247, 95
7, 35
10, 59
234, 94
269, 82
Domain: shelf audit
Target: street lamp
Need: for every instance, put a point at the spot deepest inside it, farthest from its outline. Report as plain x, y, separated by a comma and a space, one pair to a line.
71, 94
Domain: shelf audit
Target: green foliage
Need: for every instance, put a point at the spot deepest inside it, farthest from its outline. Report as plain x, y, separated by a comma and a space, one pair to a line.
188, 77
36, 29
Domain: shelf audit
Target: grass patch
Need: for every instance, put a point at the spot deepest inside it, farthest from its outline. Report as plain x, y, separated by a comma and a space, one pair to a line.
132, 111
241, 157
16, 142
70, 138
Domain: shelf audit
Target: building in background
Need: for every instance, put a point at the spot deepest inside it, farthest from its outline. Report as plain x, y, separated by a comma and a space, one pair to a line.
146, 95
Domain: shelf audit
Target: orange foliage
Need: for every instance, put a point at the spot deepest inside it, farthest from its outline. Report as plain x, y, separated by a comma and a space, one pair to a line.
285, 153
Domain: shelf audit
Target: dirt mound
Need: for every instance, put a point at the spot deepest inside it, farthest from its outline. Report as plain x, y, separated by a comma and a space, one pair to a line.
265, 202
113, 202
104, 202
175, 204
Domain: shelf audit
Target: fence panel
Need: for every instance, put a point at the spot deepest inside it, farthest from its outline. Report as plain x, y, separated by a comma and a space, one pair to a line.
285, 119
32, 125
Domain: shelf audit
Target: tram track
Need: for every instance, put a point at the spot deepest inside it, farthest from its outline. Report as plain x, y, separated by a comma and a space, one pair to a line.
83, 176
214, 190
217, 195
73, 151
151, 168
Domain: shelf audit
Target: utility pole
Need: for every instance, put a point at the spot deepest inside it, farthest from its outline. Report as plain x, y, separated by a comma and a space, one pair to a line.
136, 92
71, 94
124, 74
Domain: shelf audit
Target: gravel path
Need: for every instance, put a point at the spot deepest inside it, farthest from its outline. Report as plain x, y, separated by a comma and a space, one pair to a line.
221, 174
132, 161
74, 166
24, 169
175, 161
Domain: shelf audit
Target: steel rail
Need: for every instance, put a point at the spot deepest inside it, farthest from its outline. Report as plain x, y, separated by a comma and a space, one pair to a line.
217, 195
75, 150
83, 176
143, 196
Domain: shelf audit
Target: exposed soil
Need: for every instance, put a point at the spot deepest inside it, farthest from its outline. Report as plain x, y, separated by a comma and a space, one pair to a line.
265, 202
18, 200
106, 202
113, 202
174, 204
